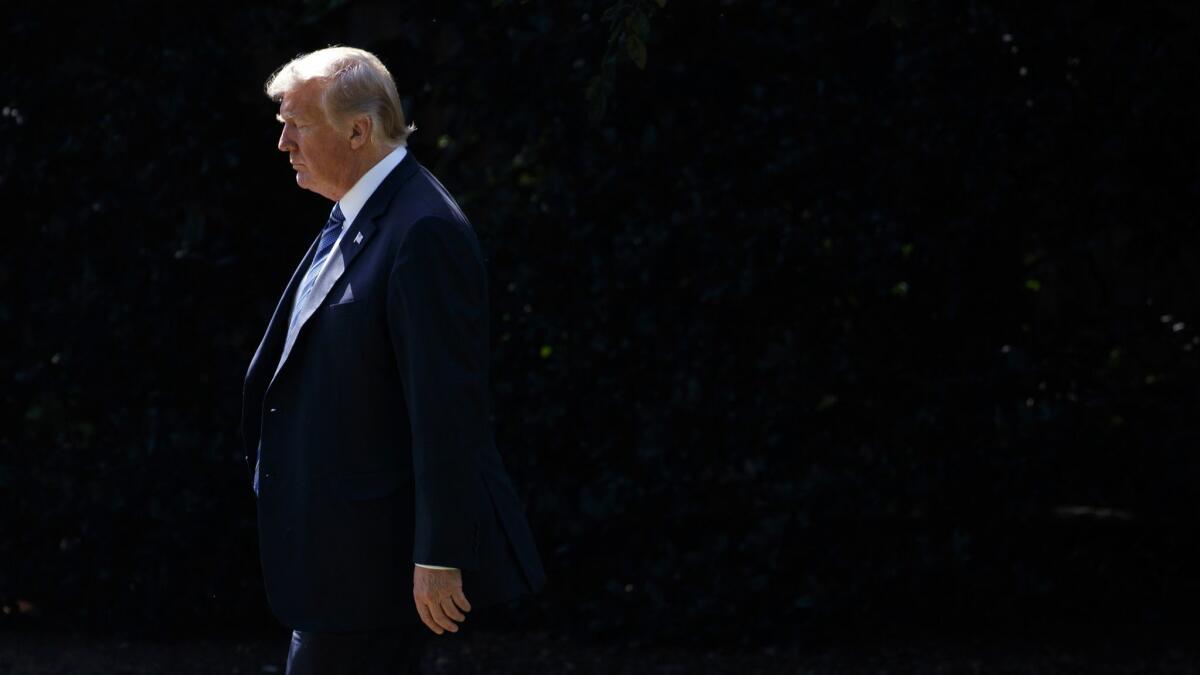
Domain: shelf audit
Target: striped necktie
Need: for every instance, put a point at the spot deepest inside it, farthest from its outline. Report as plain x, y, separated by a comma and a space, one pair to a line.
333, 227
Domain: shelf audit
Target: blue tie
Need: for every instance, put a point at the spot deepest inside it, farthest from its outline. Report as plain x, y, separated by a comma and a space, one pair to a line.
333, 227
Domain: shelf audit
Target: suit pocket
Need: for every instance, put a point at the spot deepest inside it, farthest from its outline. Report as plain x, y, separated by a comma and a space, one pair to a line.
360, 486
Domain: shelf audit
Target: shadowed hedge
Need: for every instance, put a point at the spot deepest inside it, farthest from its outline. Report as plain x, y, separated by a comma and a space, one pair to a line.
841, 315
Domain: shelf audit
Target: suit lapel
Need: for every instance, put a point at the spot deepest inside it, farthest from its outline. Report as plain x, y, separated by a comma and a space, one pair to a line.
353, 240
271, 345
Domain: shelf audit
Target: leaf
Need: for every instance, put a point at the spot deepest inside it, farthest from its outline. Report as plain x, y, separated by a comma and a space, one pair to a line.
636, 50
896, 11
639, 24
597, 96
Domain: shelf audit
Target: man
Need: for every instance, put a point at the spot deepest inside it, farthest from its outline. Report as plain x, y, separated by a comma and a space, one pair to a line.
366, 404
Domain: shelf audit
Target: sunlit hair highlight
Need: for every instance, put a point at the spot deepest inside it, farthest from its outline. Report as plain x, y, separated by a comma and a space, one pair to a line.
355, 82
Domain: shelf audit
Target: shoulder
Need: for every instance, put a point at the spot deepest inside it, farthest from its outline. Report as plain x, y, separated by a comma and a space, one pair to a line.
423, 196
424, 208
435, 235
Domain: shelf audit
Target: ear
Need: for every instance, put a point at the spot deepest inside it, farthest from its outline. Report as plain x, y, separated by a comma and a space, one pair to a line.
360, 131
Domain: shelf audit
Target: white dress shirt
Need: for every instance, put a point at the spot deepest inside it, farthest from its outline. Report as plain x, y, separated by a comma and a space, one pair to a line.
356, 198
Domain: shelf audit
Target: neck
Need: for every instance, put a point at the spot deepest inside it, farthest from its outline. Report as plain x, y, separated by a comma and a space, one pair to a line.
361, 162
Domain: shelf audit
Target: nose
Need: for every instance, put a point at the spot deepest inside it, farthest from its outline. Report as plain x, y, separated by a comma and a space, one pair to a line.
285, 140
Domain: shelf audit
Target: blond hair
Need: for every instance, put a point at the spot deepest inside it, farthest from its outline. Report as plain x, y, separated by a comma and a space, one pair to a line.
355, 83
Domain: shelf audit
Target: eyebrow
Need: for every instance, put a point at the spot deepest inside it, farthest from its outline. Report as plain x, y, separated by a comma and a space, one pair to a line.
288, 116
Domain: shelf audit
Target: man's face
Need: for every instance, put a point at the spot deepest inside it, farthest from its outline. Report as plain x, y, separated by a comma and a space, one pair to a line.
319, 152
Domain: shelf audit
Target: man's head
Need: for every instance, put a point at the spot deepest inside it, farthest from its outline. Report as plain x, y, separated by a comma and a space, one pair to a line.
340, 113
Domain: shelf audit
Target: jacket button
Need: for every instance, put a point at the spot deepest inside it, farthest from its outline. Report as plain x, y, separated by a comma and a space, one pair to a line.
266, 475
274, 409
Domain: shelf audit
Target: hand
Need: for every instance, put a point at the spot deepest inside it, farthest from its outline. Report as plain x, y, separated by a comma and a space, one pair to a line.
439, 598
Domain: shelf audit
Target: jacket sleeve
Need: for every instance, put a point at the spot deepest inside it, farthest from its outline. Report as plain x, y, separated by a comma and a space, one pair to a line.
437, 317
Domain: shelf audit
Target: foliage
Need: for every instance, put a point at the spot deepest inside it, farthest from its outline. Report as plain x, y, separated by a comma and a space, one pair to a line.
801, 315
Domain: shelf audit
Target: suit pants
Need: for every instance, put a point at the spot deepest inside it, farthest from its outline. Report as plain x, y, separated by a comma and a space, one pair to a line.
390, 651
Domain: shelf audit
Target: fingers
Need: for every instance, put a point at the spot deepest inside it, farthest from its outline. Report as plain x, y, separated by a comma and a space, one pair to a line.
427, 619
461, 600
440, 618
451, 611
433, 616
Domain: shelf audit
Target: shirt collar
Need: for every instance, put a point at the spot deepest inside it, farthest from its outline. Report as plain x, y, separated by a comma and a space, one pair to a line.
353, 201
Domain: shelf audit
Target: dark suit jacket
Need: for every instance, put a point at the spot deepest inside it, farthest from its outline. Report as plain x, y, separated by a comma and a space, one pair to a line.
371, 449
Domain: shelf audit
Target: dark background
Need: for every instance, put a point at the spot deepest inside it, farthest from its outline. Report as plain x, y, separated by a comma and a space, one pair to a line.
805, 316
